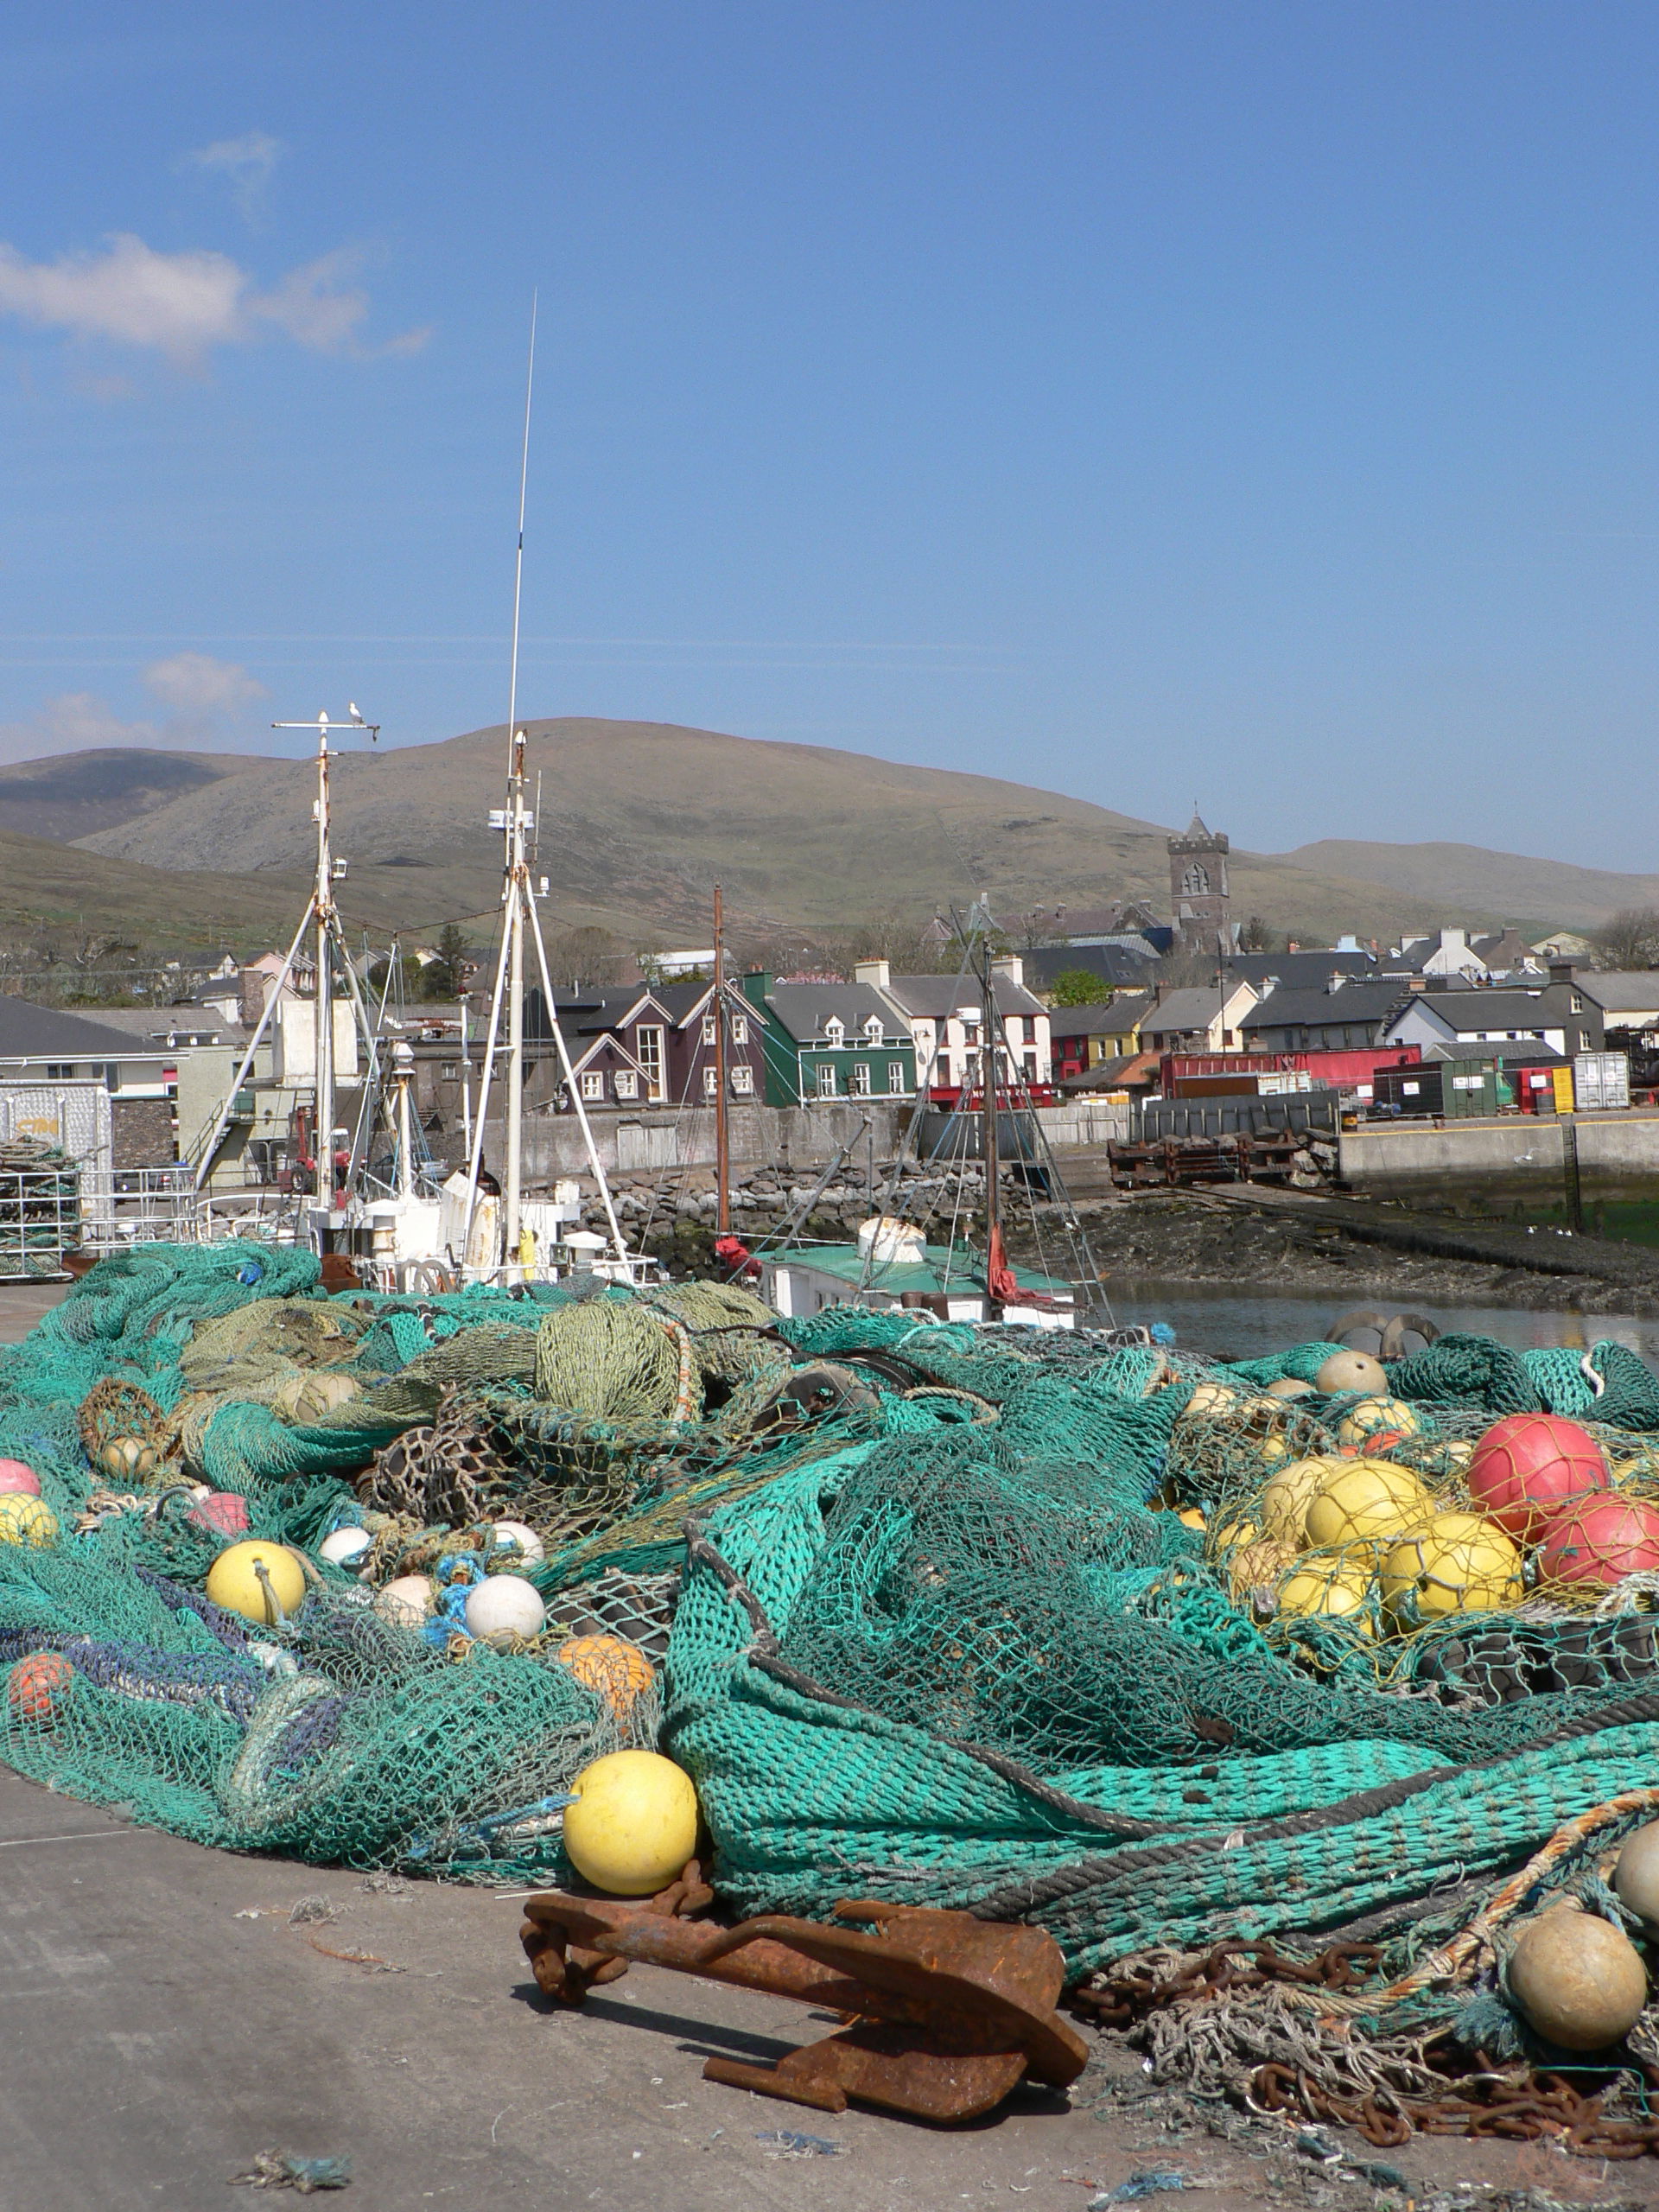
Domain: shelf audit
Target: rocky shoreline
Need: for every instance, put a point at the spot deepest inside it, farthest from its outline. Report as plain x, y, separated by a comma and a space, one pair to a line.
1171, 1238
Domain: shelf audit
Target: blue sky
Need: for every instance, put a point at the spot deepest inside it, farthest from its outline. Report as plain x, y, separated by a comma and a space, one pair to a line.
1251, 402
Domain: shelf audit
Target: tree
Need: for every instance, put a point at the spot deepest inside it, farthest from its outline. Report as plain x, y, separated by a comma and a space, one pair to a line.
1629, 939
1079, 987
446, 975
1257, 937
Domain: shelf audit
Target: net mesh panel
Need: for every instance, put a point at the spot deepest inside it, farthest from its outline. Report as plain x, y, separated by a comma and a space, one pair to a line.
976, 1617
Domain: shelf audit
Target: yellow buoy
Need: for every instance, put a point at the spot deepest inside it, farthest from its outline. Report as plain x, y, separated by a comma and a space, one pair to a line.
1212, 1400
1256, 1566
235, 1581
1192, 1517
1351, 1371
1376, 1417
634, 1824
1287, 1494
1579, 1980
1455, 1563
1230, 1535
26, 1520
1338, 1591
1274, 1451
1370, 1499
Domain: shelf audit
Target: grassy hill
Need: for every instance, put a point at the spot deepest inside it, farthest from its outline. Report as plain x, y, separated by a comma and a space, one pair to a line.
58, 889
638, 820
1508, 883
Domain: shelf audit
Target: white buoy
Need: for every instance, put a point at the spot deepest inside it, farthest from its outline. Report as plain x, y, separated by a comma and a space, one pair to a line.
345, 1547
519, 1537
504, 1606
1636, 1877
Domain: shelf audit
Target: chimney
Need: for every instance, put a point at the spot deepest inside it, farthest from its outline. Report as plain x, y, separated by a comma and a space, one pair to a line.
877, 973
1012, 966
1561, 971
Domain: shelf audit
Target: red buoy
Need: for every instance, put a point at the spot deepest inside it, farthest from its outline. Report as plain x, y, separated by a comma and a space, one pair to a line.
36, 1682
1600, 1540
17, 1475
1529, 1467
224, 1511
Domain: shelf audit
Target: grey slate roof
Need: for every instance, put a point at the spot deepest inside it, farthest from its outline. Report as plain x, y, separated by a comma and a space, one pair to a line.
1194, 1009
938, 997
1114, 963
804, 1009
1365, 1001
1298, 971
1621, 990
1495, 1009
1125, 1010
40, 1032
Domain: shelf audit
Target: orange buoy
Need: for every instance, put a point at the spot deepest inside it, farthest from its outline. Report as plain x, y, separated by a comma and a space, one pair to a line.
613, 1669
37, 1682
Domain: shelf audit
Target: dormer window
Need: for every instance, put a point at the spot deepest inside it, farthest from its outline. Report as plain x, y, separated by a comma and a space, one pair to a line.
835, 1031
873, 1029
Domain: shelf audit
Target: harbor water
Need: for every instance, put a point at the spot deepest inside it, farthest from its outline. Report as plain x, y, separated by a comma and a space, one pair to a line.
1246, 1324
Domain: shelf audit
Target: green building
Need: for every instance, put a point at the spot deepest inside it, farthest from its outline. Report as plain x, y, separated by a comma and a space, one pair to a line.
822, 1042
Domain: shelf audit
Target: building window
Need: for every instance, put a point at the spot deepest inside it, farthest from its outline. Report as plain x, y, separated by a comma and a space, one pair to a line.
648, 1040
450, 1071
593, 1083
826, 1080
1028, 1029
710, 1082
873, 1029
710, 1027
1029, 1064
740, 1029
60, 1070
1577, 1002
834, 1030
861, 1079
627, 1083
896, 1076
743, 1080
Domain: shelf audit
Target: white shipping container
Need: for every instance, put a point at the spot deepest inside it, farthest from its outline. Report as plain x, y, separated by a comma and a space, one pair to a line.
1601, 1082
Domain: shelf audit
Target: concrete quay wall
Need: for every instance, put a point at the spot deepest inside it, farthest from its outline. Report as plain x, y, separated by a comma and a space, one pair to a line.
1516, 1158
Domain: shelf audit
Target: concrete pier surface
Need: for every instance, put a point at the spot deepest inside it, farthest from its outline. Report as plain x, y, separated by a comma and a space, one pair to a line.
165, 2016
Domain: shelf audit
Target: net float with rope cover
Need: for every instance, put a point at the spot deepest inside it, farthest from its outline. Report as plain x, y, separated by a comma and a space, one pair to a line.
1527, 1468
1456, 1563
16, 1475
1600, 1540
263, 1582
37, 1684
611, 1667
25, 1519
128, 1458
1212, 1401
1369, 1500
1578, 1980
1288, 1492
632, 1823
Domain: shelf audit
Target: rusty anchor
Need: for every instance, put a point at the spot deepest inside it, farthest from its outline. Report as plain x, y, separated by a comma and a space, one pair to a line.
947, 2013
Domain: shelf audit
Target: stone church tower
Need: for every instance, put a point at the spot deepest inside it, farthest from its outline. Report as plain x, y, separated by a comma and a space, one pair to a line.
1198, 890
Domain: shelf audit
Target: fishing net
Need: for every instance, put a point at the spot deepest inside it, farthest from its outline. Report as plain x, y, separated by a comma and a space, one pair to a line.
1031, 1624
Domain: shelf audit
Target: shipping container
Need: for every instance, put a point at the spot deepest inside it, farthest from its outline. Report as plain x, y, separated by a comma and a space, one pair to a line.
1601, 1082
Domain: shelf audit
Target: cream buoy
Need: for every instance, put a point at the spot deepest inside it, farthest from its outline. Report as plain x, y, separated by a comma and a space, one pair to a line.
1352, 1370
1579, 1980
1636, 1877
408, 1601
504, 1606
1289, 1387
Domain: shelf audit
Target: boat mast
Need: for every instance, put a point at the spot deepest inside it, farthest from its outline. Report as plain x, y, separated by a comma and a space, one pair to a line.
988, 1066
722, 1135
518, 884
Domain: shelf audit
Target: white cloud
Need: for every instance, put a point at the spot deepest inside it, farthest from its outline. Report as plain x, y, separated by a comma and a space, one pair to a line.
247, 162
184, 304
196, 683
